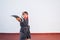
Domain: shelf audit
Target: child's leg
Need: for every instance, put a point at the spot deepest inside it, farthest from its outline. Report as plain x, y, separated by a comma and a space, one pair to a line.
28, 36
22, 36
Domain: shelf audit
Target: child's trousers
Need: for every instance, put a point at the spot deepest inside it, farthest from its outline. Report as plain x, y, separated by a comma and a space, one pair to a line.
25, 33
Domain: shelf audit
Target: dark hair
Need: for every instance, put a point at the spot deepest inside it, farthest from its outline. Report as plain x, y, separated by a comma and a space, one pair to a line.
25, 12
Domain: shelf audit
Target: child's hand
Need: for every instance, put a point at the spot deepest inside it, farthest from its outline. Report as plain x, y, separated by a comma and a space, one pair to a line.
19, 19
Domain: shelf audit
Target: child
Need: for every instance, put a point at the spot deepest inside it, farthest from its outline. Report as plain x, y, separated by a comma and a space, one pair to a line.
25, 28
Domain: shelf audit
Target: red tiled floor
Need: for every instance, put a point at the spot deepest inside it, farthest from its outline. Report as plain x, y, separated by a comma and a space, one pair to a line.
33, 36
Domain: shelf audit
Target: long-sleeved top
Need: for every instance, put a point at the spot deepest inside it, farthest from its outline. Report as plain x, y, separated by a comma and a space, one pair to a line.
24, 25
24, 22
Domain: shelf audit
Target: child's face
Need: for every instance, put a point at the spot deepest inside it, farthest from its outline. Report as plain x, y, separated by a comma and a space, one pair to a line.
25, 15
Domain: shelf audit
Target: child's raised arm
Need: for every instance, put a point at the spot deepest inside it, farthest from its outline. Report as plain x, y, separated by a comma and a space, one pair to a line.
17, 17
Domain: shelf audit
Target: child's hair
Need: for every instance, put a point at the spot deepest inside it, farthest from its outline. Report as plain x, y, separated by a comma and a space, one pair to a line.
25, 12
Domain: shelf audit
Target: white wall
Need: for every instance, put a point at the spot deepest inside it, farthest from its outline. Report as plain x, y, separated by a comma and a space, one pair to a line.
44, 15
